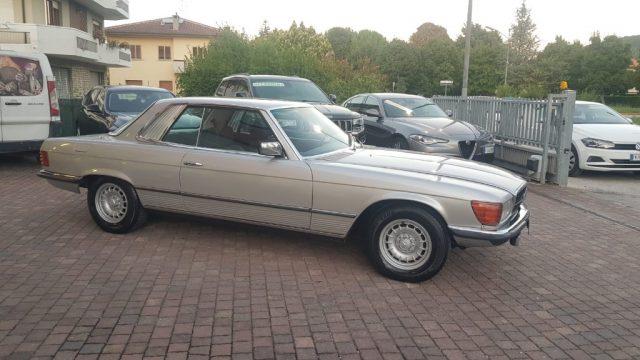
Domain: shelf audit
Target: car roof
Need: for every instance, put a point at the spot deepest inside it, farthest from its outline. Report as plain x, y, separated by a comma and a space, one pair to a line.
133, 87
396, 95
261, 104
264, 76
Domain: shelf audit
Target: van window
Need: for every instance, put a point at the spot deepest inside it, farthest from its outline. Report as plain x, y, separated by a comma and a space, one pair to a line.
20, 76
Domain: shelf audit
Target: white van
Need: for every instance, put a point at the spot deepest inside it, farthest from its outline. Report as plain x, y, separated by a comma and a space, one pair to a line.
29, 107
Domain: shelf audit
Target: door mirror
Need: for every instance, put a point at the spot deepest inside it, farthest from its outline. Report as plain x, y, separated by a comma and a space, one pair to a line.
449, 112
93, 108
333, 97
373, 113
271, 148
630, 120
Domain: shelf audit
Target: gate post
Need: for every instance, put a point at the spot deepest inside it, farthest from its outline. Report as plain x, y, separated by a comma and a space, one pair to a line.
564, 138
546, 134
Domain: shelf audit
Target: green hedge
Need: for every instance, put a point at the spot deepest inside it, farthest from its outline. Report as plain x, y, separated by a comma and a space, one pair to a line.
630, 100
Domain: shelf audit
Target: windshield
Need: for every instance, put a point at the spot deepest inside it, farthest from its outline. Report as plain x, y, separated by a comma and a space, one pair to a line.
293, 90
597, 114
412, 107
134, 101
310, 131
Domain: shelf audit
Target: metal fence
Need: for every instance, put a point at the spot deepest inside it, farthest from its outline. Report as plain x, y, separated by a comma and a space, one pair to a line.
523, 128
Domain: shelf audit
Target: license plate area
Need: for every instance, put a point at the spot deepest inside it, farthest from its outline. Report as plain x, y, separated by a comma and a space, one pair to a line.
489, 149
634, 157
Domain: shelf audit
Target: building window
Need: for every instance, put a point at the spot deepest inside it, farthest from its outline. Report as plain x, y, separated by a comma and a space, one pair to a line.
133, 82
166, 84
198, 51
53, 12
136, 52
98, 33
164, 52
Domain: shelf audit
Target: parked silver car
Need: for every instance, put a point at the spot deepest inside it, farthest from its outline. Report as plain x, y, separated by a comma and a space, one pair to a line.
286, 165
413, 122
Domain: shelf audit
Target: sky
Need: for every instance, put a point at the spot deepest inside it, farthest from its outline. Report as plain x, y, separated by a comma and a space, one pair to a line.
572, 19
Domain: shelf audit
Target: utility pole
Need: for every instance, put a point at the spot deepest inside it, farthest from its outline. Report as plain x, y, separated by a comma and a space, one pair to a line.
467, 52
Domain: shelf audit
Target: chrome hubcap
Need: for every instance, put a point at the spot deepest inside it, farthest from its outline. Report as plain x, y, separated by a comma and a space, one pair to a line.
111, 203
405, 244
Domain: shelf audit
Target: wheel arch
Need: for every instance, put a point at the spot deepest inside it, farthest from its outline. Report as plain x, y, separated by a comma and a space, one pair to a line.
95, 174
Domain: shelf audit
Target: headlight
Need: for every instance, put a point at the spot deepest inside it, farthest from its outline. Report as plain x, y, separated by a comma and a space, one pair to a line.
428, 140
597, 143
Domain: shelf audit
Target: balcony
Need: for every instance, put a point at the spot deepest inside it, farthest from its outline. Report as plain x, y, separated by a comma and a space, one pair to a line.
108, 9
61, 42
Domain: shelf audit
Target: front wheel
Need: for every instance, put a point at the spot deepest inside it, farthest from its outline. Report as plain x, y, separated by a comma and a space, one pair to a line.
408, 244
114, 205
400, 143
574, 163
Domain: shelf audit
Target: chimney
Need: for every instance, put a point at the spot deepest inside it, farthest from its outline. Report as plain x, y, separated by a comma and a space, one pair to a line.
176, 22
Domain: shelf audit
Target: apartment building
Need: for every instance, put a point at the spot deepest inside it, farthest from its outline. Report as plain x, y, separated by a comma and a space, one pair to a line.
158, 49
71, 34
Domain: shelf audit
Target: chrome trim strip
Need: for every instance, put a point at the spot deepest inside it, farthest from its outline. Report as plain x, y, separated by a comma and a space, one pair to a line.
50, 175
253, 203
497, 236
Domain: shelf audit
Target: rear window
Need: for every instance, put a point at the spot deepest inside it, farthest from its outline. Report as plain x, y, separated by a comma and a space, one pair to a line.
134, 101
20, 76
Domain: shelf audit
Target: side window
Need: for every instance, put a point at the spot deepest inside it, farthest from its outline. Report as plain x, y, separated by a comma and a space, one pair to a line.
185, 129
243, 89
87, 98
231, 89
355, 103
221, 88
20, 76
371, 104
100, 95
234, 129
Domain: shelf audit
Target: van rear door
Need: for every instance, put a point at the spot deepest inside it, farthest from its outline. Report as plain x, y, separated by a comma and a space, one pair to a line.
24, 99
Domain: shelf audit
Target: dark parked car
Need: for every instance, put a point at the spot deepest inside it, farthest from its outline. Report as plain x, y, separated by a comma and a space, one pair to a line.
292, 88
413, 122
106, 108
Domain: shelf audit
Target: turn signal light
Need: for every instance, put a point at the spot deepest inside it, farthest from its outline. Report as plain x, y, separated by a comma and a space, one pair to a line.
487, 213
44, 158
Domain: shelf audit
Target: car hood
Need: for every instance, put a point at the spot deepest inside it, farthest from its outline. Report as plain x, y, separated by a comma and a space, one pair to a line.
445, 126
336, 112
407, 161
617, 133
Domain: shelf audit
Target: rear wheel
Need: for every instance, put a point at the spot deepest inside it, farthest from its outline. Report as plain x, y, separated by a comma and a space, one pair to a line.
408, 243
114, 205
574, 163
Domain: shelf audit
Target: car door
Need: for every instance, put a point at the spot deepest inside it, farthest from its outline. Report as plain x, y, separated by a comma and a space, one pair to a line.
226, 177
24, 99
378, 133
94, 121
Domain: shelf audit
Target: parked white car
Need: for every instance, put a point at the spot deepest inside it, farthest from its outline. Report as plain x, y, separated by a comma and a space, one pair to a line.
603, 140
28, 101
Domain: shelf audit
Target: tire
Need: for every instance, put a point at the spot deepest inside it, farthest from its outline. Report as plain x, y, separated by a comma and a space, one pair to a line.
119, 210
575, 169
399, 143
392, 256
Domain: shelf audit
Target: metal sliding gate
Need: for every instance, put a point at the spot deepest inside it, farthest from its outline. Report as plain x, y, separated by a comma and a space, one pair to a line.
523, 128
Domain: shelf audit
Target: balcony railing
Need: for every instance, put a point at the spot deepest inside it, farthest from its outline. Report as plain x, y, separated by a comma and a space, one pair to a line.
63, 42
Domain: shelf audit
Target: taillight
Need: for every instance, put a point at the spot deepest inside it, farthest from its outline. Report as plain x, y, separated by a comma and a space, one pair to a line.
54, 108
487, 213
44, 158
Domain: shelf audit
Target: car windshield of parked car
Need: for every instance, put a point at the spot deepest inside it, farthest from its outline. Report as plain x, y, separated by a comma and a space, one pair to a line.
310, 131
412, 107
134, 101
292, 90
597, 114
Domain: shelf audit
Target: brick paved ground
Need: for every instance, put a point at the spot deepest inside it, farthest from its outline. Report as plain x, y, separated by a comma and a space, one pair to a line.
184, 287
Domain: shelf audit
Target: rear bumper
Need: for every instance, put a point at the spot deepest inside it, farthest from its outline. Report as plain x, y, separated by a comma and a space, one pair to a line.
20, 146
61, 181
474, 237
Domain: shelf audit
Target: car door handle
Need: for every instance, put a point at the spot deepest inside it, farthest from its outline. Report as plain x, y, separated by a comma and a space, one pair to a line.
13, 103
189, 163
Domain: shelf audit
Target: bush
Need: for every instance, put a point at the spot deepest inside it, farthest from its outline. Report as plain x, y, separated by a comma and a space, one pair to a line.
627, 101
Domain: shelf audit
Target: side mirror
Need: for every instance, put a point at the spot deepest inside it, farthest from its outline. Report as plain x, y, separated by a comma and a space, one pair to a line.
241, 94
373, 113
93, 108
630, 120
271, 148
449, 112
333, 97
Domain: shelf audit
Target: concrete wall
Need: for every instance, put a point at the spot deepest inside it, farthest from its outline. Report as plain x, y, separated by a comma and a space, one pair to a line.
81, 78
150, 70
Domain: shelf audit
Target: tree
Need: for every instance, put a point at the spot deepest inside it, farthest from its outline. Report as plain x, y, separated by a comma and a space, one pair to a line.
428, 32
486, 71
341, 40
524, 46
367, 46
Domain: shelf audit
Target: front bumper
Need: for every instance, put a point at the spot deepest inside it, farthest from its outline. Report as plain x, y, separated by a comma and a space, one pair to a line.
474, 237
608, 160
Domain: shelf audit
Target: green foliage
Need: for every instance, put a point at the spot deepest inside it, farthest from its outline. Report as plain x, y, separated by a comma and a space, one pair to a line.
632, 101
486, 71
634, 43
428, 32
341, 40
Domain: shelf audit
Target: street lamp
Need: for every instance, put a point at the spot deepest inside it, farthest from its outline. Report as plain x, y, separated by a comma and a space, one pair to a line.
506, 68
